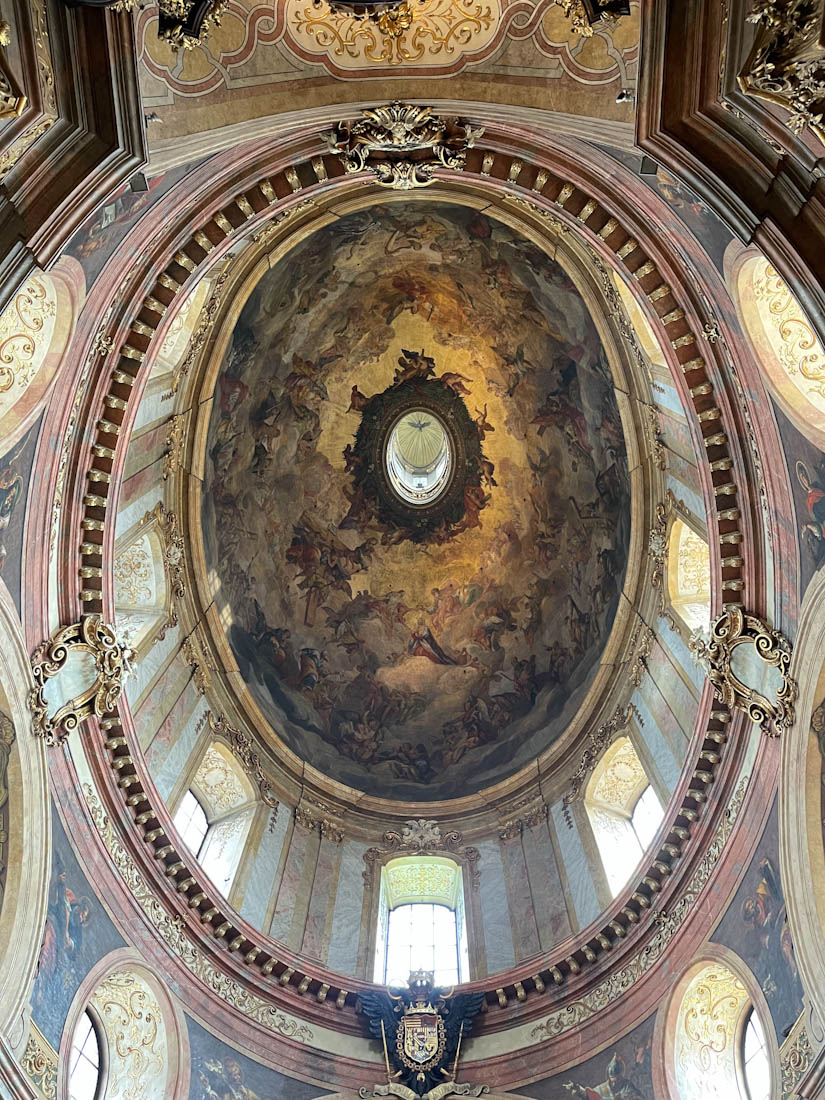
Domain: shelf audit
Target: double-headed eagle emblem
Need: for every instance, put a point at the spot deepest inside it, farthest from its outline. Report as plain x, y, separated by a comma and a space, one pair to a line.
421, 1029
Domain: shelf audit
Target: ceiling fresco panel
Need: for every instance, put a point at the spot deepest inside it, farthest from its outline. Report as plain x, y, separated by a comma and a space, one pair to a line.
416, 658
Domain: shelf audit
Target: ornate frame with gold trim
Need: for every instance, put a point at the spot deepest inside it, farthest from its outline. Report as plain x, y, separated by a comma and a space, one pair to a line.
111, 660
735, 628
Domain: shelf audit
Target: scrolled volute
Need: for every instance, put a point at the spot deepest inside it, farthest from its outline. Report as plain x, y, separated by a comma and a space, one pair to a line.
111, 663
735, 628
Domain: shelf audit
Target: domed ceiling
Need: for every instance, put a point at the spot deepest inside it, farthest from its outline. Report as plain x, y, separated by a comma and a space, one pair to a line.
416, 647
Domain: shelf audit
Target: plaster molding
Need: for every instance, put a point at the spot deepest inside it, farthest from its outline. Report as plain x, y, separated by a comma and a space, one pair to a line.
402, 145
729, 632
39, 1063
111, 664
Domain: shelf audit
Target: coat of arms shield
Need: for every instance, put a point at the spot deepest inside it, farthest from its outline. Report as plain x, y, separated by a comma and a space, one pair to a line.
421, 1039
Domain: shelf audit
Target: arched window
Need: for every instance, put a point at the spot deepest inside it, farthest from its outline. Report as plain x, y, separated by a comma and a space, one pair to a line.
128, 1037
143, 603
688, 576
756, 1066
86, 1059
191, 823
215, 815
421, 921
719, 1046
785, 344
624, 811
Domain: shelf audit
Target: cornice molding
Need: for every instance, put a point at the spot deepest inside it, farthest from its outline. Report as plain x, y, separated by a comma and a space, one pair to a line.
128, 793
79, 136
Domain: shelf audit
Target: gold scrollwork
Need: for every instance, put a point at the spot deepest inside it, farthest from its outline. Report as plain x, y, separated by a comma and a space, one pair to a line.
735, 628
797, 345
599, 741
20, 327
400, 35
420, 837
111, 661
242, 746
787, 63
795, 1058
402, 145
39, 1063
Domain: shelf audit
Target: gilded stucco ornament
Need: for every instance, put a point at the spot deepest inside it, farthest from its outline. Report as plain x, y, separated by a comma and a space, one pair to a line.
39, 1063
729, 634
242, 746
91, 636
175, 435
600, 739
658, 538
311, 814
402, 145
12, 99
392, 17
418, 837
527, 813
446, 1088
195, 654
584, 13
795, 1059
786, 65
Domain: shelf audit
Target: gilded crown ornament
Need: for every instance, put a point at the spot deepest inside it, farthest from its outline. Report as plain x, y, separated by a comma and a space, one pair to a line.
401, 144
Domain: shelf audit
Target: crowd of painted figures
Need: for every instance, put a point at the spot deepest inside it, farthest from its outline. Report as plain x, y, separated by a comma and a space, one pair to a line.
409, 659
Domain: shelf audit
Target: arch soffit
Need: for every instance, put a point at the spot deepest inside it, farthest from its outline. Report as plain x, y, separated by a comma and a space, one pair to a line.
667, 1016
173, 1020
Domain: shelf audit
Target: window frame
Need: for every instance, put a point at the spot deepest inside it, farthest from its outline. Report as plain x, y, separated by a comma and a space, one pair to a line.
189, 791
251, 808
676, 605
749, 1010
670, 1018
159, 616
676, 509
99, 1031
432, 905
469, 902
593, 806
652, 790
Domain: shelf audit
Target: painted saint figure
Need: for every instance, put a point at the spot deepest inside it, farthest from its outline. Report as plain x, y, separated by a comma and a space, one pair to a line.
814, 530
11, 488
616, 1087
